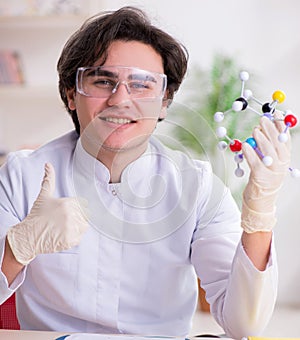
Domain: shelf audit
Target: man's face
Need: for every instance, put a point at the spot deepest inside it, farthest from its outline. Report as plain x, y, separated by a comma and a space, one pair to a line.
121, 120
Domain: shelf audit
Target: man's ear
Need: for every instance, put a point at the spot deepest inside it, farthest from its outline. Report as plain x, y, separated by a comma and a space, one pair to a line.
71, 99
165, 104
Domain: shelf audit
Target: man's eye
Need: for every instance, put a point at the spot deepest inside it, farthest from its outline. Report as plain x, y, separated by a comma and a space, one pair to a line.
103, 82
139, 85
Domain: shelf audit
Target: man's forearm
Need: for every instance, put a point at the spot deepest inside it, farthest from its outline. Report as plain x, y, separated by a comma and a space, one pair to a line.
10, 266
257, 246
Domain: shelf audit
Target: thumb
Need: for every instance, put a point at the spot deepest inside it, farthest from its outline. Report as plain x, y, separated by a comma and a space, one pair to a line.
48, 183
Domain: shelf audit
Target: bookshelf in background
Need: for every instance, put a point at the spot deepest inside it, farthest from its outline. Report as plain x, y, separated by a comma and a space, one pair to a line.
33, 32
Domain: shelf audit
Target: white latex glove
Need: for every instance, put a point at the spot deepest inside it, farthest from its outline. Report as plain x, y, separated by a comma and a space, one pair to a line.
260, 194
53, 224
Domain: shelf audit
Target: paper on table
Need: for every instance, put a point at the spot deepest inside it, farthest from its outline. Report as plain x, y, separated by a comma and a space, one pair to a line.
89, 336
84, 336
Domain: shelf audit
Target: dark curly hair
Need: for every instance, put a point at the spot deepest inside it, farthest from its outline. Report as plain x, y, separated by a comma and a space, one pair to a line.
92, 40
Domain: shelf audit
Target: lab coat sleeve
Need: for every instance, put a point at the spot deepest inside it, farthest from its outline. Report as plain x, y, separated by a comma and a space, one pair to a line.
241, 297
10, 214
5, 290
250, 297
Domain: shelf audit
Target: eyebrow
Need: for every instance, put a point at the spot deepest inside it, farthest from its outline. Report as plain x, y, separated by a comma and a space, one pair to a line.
100, 72
140, 76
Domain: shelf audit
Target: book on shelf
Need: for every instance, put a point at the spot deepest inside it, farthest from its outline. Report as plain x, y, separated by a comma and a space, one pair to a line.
10, 68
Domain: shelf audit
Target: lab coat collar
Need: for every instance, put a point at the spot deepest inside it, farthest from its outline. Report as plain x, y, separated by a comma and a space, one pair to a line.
136, 171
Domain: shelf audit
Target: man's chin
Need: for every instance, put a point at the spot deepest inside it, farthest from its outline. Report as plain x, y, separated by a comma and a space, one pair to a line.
125, 146
113, 147
119, 147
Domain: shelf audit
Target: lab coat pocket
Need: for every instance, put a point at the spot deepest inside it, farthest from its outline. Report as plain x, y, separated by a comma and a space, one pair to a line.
61, 263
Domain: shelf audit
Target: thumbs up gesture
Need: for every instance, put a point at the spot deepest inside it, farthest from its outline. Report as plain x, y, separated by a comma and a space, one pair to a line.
53, 224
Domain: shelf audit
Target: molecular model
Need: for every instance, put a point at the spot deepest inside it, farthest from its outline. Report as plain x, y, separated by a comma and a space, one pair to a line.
268, 110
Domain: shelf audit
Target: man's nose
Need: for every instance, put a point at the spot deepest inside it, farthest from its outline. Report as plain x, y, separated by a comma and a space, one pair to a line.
120, 93
123, 82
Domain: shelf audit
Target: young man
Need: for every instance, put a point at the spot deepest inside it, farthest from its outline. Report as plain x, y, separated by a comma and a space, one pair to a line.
115, 242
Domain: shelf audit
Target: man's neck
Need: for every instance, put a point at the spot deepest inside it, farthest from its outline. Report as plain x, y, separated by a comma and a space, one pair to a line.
117, 161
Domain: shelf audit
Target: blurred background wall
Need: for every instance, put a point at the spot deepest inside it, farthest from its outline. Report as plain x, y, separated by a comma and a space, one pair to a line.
261, 35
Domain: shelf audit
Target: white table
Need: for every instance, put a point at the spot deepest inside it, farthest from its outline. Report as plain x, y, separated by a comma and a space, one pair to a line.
38, 335
28, 335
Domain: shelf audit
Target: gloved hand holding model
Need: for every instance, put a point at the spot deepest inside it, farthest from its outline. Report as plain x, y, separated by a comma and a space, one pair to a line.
260, 194
53, 224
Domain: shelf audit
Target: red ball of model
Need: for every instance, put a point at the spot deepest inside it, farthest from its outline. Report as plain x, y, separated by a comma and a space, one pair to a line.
290, 120
235, 146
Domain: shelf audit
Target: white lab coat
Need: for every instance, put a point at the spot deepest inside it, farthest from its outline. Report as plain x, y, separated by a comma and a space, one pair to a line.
135, 268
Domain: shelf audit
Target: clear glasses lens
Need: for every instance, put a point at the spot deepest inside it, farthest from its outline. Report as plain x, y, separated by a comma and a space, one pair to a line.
103, 81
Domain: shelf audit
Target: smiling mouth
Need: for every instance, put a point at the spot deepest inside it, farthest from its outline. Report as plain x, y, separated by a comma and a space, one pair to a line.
121, 121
